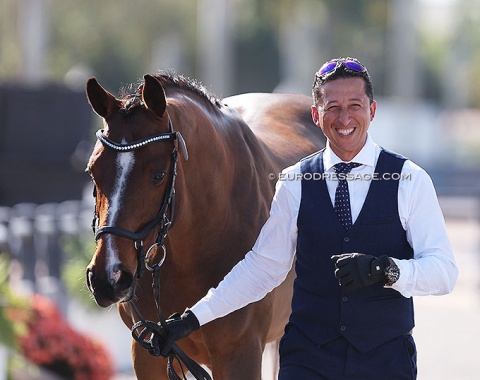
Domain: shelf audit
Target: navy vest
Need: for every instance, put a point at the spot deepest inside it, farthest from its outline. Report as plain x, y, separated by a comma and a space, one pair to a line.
322, 309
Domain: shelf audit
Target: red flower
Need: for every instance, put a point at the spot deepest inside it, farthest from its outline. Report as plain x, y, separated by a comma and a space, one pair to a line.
51, 343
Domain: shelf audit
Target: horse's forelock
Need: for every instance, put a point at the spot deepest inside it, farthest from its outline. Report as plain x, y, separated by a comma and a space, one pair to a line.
131, 96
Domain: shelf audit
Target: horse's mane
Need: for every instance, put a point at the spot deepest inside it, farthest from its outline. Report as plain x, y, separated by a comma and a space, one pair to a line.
132, 94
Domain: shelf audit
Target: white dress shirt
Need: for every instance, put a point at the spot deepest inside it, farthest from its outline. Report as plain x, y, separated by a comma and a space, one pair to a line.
432, 271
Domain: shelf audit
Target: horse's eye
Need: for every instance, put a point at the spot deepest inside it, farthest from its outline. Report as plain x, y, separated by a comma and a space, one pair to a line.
158, 177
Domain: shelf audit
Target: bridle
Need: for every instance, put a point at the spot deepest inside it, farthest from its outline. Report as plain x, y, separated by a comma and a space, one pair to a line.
147, 333
161, 219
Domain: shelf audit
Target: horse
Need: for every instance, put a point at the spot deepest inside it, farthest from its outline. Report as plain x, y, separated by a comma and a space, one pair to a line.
168, 148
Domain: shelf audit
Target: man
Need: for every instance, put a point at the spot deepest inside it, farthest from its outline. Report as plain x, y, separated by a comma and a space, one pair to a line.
368, 234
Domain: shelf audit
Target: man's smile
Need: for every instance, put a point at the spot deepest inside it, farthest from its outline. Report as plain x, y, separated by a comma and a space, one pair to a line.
346, 132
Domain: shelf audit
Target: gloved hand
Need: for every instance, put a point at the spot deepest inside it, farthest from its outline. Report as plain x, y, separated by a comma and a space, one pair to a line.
357, 270
179, 327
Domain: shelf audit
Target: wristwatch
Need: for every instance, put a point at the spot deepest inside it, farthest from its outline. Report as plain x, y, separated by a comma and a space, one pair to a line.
392, 272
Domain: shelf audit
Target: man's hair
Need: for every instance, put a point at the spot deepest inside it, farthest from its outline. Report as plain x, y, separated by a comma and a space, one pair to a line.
341, 71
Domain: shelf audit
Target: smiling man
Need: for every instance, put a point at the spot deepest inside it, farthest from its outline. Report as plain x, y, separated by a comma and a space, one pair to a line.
343, 110
367, 232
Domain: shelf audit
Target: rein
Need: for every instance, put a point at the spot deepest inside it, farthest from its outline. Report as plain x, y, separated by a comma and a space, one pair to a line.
147, 333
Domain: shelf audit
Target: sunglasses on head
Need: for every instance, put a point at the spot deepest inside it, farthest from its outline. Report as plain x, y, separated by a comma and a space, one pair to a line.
333, 65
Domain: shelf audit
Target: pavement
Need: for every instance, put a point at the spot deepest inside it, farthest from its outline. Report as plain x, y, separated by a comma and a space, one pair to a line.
447, 331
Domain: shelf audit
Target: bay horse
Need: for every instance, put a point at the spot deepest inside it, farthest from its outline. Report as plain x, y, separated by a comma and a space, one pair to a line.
220, 197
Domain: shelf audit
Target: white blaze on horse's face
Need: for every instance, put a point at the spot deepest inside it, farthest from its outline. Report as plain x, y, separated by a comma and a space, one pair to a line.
124, 164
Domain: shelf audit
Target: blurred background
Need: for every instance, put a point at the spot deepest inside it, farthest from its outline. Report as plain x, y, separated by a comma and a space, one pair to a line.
424, 59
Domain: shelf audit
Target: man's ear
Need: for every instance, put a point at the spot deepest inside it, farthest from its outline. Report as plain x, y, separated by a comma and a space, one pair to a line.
315, 115
373, 109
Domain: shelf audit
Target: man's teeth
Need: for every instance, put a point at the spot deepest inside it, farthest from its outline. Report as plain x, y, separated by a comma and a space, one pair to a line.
345, 132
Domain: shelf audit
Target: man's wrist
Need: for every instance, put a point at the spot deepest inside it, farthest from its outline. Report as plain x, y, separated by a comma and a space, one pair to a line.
191, 319
391, 270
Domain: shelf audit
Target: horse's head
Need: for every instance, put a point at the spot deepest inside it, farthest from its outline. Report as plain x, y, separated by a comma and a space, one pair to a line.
133, 168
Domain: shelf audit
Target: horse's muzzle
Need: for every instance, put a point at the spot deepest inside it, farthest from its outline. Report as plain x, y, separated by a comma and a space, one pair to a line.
116, 287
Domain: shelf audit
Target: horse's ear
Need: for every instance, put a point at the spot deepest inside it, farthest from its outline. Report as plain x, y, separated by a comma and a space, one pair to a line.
102, 102
154, 96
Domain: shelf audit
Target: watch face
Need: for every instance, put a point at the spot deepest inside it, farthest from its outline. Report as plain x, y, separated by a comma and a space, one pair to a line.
392, 273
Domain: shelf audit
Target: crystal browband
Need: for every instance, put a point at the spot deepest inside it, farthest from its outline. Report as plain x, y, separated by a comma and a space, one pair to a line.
136, 144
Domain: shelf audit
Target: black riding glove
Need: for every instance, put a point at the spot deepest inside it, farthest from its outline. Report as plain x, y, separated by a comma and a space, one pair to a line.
356, 270
178, 327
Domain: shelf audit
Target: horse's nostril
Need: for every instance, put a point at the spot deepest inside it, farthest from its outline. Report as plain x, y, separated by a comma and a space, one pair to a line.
115, 275
123, 281
89, 279
119, 278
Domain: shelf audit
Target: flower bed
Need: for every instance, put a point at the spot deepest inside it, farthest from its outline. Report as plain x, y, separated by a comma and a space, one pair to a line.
48, 341
51, 343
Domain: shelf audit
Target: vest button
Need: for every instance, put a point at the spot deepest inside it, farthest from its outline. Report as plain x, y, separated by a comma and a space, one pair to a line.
346, 239
344, 298
343, 328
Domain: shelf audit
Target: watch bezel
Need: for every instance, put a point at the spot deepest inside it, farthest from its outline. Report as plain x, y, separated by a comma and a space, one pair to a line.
392, 274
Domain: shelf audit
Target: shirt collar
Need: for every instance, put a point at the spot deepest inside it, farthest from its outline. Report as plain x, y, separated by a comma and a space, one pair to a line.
366, 156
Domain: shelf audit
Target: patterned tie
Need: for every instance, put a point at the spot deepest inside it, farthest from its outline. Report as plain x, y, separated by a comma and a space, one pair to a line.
342, 197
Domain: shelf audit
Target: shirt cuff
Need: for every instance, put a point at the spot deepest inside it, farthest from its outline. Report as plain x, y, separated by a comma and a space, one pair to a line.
202, 312
401, 285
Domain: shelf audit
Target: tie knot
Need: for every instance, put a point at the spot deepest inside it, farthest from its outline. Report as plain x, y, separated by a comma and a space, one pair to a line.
344, 167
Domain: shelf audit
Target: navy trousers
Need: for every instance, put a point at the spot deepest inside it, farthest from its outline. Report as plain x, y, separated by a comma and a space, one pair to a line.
300, 358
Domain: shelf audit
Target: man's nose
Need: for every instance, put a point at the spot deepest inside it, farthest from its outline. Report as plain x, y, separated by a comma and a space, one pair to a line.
344, 116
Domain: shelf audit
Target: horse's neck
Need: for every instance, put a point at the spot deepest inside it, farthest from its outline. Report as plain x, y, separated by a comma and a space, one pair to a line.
218, 188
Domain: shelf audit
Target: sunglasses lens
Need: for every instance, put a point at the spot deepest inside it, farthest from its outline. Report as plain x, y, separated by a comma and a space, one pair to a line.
355, 66
327, 68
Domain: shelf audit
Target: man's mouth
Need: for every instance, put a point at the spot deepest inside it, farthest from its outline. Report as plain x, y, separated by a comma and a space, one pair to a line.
346, 132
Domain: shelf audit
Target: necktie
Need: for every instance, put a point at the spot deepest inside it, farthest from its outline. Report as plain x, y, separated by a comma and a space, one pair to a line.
342, 197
